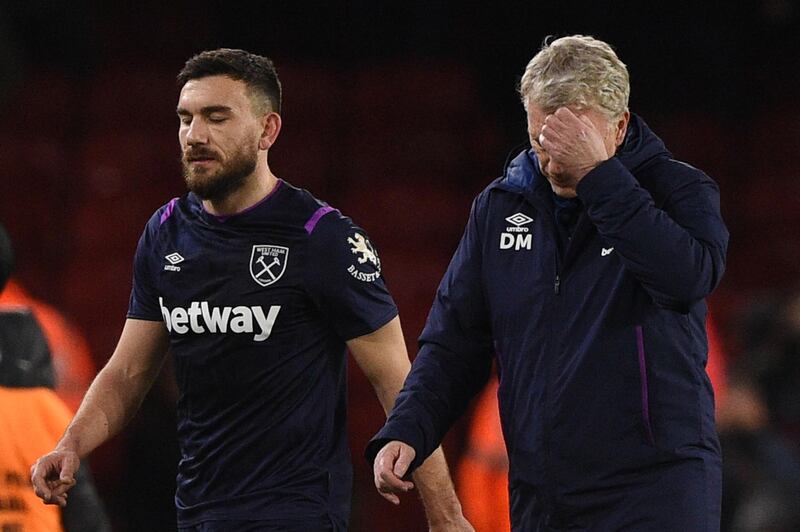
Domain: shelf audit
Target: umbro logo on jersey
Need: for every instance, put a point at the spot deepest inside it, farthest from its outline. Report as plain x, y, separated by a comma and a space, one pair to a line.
173, 259
516, 235
606, 251
200, 318
267, 263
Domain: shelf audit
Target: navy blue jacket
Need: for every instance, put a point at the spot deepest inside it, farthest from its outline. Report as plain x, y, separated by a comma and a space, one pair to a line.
600, 340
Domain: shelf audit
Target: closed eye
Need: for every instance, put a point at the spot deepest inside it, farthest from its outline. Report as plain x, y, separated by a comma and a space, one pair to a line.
184, 116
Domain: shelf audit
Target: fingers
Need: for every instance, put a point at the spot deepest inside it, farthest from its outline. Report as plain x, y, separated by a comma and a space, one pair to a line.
567, 117
40, 487
59, 494
586, 122
563, 122
555, 131
562, 126
573, 142
391, 463
387, 481
69, 466
60, 500
403, 462
53, 475
551, 130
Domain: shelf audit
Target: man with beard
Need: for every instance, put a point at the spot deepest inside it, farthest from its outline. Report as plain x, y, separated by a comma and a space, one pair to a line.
257, 289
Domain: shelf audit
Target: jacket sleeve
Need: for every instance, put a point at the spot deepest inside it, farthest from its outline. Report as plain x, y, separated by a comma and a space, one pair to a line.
677, 251
454, 359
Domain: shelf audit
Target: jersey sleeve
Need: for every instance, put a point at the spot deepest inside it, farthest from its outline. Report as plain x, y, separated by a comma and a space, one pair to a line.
345, 280
143, 302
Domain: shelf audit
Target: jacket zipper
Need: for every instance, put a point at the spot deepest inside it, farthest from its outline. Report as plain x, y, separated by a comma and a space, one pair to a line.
557, 281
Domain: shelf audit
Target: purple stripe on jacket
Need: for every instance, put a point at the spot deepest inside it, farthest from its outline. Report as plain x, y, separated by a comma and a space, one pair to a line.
643, 377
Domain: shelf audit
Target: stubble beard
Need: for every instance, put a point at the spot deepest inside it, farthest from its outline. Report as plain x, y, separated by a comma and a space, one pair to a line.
220, 184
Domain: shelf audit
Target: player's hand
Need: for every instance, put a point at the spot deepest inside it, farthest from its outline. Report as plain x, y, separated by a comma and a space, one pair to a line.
390, 465
53, 475
574, 143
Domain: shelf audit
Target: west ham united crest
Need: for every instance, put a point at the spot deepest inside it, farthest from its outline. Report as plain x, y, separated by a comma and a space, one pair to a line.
267, 263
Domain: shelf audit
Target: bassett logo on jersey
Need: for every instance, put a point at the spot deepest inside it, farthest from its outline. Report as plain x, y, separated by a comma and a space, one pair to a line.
199, 318
267, 263
367, 266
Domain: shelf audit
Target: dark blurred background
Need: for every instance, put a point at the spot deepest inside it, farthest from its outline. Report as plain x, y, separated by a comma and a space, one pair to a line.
397, 114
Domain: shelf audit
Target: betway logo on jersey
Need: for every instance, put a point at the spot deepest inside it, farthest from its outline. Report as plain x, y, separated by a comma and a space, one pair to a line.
517, 236
199, 318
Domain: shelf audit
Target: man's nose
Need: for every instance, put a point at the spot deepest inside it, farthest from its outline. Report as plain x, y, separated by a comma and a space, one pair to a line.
197, 133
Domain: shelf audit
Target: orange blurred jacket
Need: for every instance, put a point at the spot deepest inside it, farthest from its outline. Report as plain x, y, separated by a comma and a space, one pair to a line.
72, 359
26, 434
482, 474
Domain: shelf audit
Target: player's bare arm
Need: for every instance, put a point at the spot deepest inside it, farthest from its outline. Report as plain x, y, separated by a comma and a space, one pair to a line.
110, 402
383, 358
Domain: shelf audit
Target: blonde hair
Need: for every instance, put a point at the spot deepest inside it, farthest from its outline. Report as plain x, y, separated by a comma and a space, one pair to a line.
578, 71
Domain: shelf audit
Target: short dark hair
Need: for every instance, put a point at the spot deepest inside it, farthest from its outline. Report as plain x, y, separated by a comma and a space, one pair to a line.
6, 257
257, 71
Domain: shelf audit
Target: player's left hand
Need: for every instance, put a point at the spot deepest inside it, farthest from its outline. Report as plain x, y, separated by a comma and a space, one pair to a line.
574, 143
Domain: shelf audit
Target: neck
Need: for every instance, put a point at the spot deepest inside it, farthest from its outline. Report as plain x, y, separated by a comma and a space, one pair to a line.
254, 189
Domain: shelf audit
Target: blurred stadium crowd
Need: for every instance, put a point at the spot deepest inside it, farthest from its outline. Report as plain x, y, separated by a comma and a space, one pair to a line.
398, 117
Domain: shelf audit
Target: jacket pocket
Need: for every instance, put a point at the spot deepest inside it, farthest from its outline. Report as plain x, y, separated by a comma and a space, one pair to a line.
643, 383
